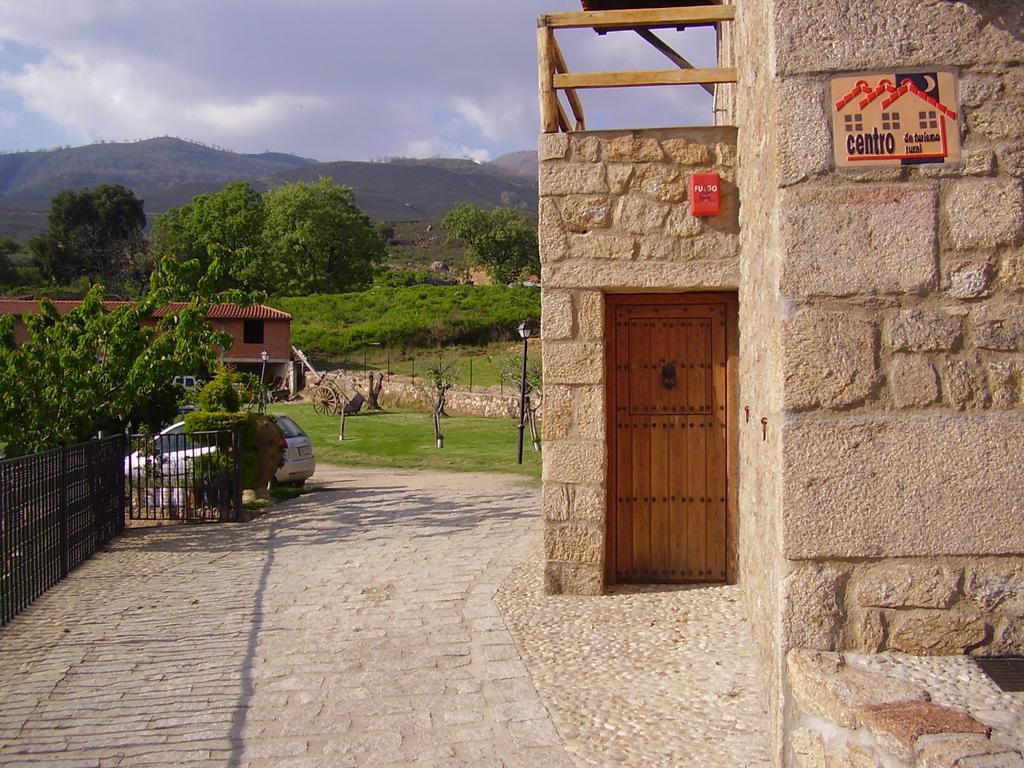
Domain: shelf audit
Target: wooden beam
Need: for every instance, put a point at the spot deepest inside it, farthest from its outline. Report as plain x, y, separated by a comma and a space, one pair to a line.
670, 53
549, 106
645, 17
651, 77
574, 100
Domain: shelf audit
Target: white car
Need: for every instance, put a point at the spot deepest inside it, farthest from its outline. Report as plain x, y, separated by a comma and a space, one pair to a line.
299, 462
172, 454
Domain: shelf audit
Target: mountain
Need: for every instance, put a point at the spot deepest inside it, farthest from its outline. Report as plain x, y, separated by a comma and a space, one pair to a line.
519, 165
169, 172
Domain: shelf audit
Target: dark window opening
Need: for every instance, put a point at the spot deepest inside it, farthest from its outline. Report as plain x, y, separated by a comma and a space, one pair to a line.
252, 332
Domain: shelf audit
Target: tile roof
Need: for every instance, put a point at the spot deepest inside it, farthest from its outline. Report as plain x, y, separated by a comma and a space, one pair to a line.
217, 311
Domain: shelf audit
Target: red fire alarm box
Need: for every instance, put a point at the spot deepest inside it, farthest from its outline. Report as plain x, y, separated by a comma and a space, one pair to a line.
705, 194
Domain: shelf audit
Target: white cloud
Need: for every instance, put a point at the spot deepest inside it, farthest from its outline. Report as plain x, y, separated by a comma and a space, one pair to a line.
438, 148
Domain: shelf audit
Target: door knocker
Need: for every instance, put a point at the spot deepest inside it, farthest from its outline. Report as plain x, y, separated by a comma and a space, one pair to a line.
668, 376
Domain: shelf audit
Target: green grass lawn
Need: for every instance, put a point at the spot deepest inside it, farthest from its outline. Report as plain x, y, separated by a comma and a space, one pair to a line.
405, 440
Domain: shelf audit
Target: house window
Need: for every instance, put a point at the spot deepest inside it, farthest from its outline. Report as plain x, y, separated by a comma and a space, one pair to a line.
890, 121
854, 123
928, 119
252, 332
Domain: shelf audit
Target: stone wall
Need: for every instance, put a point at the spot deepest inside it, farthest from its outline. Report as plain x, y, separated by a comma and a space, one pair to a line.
614, 218
399, 393
893, 352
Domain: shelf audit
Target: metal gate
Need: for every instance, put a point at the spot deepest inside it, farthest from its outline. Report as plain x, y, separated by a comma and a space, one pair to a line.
178, 478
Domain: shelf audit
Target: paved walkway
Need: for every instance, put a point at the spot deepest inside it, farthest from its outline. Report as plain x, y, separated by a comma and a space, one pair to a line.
353, 627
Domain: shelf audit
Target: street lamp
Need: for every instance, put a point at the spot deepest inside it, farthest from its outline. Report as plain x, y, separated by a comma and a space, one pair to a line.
264, 356
525, 331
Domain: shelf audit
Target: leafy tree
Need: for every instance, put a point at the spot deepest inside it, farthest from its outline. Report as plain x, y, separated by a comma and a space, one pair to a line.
503, 241
7, 249
95, 233
321, 242
99, 368
219, 235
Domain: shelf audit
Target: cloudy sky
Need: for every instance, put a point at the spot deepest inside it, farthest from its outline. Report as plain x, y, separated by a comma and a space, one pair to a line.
328, 79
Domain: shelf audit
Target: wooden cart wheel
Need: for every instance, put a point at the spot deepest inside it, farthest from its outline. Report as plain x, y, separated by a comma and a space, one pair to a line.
319, 400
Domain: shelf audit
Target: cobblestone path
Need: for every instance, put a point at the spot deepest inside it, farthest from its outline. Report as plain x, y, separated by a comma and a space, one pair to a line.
356, 626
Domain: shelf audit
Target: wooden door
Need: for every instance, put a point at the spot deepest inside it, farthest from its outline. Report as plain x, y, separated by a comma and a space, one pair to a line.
669, 376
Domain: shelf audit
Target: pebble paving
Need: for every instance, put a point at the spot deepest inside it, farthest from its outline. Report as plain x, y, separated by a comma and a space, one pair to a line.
359, 626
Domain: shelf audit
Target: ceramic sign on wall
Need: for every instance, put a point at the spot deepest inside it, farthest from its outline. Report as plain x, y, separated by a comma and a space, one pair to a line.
895, 119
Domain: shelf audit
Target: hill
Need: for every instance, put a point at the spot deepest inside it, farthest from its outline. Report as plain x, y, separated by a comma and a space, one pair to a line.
169, 172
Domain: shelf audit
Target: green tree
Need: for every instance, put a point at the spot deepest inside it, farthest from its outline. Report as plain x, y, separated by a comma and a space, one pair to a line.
218, 235
99, 368
96, 233
7, 249
503, 241
321, 242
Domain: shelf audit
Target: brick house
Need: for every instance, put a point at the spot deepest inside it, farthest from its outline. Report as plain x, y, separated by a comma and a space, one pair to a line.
817, 391
255, 329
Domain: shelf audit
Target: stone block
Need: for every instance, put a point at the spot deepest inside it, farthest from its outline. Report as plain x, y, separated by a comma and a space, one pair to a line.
659, 181
640, 216
913, 381
550, 233
582, 214
906, 585
1004, 384
976, 88
969, 279
940, 484
830, 359
1007, 758
805, 148
1007, 637
984, 213
556, 502
588, 503
687, 152
660, 248
1011, 270
825, 686
999, 326
843, 241
599, 245
925, 330
573, 579
933, 633
897, 726
567, 362
552, 146
619, 177
588, 410
964, 383
681, 223
590, 315
812, 608
633, 148
572, 179
586, 149
725, 155
825, 41
946, 751
574, 461
557, 411
996, 584
808, 748
691, 274
573, 543
556, 318
866, 630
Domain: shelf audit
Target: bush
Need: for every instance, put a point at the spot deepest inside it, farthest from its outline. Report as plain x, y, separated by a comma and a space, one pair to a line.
215, 421
219, 395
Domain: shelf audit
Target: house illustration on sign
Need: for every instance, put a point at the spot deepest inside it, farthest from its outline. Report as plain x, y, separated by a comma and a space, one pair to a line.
901, 120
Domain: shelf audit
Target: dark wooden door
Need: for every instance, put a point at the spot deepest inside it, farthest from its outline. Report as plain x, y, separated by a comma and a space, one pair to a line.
668, 366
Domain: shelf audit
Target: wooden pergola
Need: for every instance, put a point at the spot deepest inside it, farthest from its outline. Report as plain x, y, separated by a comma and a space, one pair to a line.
641, 17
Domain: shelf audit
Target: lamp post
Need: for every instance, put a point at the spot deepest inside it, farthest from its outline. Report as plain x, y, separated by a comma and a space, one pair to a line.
264, 356
525, 331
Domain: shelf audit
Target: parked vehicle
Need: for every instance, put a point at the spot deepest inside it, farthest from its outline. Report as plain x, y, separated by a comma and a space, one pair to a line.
173, 453
299, 463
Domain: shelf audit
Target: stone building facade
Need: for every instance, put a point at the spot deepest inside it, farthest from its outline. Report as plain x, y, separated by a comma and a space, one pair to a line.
880, 503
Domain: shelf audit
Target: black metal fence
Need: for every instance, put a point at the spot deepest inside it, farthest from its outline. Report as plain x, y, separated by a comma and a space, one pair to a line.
57, 508
175, 477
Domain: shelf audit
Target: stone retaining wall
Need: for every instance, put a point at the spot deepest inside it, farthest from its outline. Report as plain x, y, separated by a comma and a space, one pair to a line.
460, 402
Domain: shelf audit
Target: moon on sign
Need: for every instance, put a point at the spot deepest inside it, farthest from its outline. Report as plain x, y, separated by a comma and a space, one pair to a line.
930, 81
